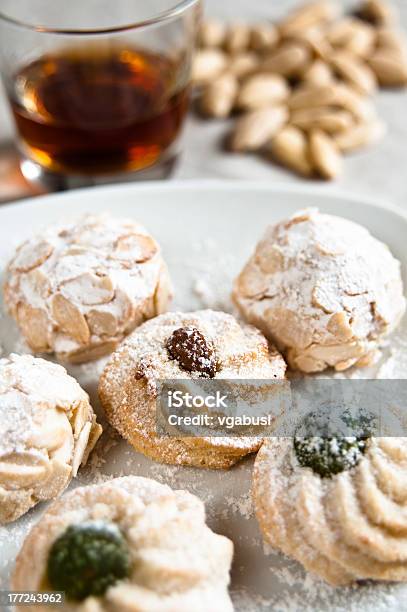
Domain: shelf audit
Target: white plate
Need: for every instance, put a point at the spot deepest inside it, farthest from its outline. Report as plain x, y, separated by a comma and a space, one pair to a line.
207, 230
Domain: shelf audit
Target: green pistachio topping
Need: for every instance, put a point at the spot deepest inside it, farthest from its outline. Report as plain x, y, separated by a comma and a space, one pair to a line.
329, 456
87, 559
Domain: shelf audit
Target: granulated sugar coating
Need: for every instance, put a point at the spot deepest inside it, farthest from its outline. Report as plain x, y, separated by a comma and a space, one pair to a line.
262, 580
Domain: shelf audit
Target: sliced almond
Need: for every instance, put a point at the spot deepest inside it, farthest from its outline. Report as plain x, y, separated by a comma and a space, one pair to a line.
326, 119
262, 90
19, 476
309, 15
135, 248
354, 72
360, 135
101, 323
31, 254
242, 64
339, 326
290, 147
390, 68
218, 97
253, 130
211, 33
163, 292
206, 65
325, 155
249, 283
263, 37
70, 319
80, 447
237, 38
79, 417
35, 326
35, 282
95, 433
89, 289
290, 59
378, 12
319, 73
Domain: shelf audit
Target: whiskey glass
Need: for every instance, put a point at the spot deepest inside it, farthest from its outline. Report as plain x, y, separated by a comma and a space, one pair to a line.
99, 90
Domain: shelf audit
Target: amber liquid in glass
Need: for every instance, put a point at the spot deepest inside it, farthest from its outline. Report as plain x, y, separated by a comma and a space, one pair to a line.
92, 112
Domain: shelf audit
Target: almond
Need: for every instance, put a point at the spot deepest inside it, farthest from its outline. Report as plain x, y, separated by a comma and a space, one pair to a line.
323, 118
315, 39
32, 254
88, 288
163, 292
218, 97
263, 37
325, 155
378, 12
242, 64
35, 326
360, 107
309, 15
352, 35
389, 67
262, 90
313, 96
290, 59
206, 65
253, 130
211, 33
360, 135
101, 323
390, 39
319, 73
354, 72
290, 148
70, 319
135, 248
237, 38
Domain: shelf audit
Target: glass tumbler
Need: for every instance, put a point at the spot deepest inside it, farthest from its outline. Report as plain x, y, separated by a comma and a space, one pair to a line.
99, 89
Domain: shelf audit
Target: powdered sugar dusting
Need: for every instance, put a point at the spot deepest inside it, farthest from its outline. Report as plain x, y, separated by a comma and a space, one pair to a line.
260, 582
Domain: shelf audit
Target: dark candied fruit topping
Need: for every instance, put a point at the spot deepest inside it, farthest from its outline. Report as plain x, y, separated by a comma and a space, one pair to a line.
193, 351
329, 456
87, 559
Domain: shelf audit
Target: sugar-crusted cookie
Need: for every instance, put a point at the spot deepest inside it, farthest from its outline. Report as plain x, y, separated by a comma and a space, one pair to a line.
183, 345
47, 430
127, 544
323, 289
338, 505
78, 289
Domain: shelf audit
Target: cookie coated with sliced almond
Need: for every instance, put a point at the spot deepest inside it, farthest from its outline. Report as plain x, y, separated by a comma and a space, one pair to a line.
78, 289
47, 430
193, 346
323, 289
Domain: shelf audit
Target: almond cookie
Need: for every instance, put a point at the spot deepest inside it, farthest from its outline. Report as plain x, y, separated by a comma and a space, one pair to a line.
183, 346
78, 289
336, 505
130, 544
323, 289
47, 430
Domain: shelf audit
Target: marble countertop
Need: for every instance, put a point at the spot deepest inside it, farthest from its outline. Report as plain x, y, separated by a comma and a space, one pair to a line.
378, 172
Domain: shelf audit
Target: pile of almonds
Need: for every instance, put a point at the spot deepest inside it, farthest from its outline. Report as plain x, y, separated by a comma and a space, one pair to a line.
301, 89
